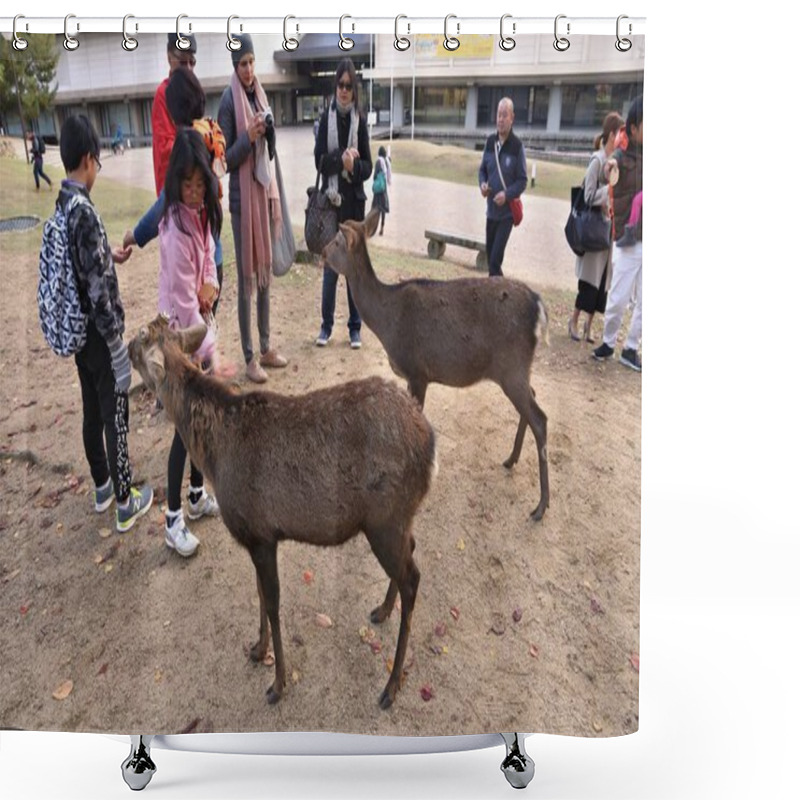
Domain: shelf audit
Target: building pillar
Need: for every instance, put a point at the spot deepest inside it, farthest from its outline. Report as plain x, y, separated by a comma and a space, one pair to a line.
397, 111
471, 115
554, 110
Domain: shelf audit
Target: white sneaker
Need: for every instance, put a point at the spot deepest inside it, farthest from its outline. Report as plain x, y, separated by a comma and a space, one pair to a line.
180, 539
206, 506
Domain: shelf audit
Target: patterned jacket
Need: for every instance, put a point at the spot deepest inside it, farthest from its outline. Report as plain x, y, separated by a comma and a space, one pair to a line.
91, 255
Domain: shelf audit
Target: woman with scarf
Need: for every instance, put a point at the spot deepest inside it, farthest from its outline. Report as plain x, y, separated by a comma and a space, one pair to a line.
246, 118
342, 156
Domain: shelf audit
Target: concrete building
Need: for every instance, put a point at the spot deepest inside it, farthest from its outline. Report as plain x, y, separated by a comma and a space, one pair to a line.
560, 97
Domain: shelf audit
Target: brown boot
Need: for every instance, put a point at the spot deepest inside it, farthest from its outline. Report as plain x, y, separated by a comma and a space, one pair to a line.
255, 373
273, 359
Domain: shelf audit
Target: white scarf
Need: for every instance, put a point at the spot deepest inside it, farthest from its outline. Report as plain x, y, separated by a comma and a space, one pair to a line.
333, 145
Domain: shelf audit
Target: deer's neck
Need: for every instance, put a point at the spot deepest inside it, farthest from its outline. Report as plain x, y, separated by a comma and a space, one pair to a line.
372, 298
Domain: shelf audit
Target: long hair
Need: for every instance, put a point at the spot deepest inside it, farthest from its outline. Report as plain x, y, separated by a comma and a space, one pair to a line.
611, 124
189, 153
347, 67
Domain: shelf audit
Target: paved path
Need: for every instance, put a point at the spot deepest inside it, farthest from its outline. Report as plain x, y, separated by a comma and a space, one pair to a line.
537, 251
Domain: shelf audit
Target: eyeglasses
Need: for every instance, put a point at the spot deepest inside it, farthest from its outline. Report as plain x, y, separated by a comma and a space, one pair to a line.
345, 87
97, 161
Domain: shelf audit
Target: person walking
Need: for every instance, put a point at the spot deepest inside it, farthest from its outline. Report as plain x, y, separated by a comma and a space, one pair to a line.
503, 176
254, 201
37, 159
593, 269
626, 281
343, 157
381, 183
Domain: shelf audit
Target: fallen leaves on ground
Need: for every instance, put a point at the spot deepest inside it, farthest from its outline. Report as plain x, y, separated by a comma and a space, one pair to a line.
63, 690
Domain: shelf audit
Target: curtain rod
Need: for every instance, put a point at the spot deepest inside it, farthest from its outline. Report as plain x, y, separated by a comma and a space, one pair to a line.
74, 25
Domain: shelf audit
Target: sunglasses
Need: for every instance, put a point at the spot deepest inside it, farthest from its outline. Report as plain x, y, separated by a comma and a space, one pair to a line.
345, 87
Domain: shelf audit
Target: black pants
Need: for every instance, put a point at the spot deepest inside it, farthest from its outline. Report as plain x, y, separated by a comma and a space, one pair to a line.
592, 299
105, 411
497, 233
38, 169
329, 280
177, 461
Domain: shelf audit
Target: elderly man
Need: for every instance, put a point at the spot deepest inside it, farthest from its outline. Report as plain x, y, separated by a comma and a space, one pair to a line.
162, 125
503, 176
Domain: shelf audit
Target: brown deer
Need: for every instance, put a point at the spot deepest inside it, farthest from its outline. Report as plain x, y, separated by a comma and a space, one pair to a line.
452, 332
316, 468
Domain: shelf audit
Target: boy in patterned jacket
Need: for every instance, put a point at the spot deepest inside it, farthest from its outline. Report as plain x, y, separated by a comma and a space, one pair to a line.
104, 368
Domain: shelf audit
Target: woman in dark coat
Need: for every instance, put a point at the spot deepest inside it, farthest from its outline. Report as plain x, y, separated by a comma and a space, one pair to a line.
343, 157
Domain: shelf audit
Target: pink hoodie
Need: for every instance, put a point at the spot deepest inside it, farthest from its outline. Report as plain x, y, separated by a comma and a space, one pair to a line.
187, 262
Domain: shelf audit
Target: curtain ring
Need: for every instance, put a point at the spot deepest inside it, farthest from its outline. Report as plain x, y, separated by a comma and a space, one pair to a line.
129, 43
451, 43
233, 44
18, 43
401, 43
182, 42
344, 42
506, 42
69, 42
289, 44
561, 43
623, 45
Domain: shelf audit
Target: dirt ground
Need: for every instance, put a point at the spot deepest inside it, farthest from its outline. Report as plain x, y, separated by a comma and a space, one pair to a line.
518, 625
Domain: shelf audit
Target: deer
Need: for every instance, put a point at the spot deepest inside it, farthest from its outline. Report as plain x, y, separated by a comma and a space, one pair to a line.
315, 468
455, 332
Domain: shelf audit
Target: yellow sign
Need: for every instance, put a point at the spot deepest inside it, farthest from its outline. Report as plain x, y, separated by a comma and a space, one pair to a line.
473, 45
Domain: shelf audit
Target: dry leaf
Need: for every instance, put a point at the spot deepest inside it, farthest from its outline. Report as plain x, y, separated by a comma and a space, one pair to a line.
598, 726
517, 614
103, 669
455, 613
596, 607
533, 650
634, 659
159, 676
461, 545
295, 676
498, 625
426, 692
375, 646
63, 690
440, 629
108, 568
104, 533
308, 577
323, 621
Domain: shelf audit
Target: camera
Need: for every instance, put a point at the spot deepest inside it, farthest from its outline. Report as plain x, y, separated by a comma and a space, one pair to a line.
268, 119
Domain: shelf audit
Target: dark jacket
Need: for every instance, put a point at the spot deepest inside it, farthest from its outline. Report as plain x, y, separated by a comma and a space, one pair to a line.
515, 173
628, 185
91, 256
237, 144
352, 191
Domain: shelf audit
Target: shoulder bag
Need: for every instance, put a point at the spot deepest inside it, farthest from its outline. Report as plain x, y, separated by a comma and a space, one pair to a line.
587, 230
322, 219
514, 205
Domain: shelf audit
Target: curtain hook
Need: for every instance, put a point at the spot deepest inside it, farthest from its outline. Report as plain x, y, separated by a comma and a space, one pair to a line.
451, 43
623, 45
18, 43
344, 42
506, 42
69, 42
129, 43
233, 43
401, 43
289, 44
561, 43
182, 42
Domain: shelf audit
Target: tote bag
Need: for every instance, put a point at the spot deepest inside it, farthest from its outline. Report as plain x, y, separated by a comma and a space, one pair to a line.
525, 577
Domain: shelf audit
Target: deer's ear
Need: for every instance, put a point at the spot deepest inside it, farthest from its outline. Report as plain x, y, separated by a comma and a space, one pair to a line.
190, 339
371, 222
154, 361
350, 232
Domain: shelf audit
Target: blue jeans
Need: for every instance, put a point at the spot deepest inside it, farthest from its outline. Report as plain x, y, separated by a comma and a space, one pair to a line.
38, 169
329, 279
497, 233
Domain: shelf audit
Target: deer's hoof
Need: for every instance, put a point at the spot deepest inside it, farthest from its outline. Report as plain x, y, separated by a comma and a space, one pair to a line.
538, 512
378, 615
257, 653
386, 699
509, 462
273, 695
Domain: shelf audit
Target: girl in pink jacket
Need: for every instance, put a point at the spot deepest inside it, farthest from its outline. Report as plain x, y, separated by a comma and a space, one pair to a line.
187, 287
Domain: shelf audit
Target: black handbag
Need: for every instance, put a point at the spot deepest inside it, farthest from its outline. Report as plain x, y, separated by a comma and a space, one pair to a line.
587, 230
322, 220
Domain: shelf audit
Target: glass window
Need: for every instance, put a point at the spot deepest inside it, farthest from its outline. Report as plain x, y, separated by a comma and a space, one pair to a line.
440, 105
585, 105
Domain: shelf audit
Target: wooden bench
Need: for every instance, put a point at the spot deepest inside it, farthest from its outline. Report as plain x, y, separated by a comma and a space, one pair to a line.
438, 241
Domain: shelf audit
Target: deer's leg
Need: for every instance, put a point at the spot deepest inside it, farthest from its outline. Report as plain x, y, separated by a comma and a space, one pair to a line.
259, 650
393, 547
522, 396
265, 558
417, 389
514, 457
383, 611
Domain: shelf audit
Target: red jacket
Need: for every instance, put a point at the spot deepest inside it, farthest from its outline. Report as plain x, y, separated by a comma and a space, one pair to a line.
163, 135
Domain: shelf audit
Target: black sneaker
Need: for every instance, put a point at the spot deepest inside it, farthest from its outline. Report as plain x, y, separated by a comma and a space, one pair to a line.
630, 358
603, 352
355, 340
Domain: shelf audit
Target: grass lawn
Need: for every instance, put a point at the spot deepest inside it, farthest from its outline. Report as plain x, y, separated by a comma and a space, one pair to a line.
459, 165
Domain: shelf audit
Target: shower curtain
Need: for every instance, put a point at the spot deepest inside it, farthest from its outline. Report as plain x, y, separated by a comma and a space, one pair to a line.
518, 624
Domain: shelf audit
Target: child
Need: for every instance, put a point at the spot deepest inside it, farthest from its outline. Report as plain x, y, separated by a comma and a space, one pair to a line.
104, 369
187, 286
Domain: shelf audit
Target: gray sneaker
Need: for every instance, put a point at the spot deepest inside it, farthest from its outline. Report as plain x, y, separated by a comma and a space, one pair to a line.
103, 496
139, 503
180, 539
206, 506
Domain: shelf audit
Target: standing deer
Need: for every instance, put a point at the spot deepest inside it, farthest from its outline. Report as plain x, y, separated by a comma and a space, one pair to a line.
317, 468
452, 332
